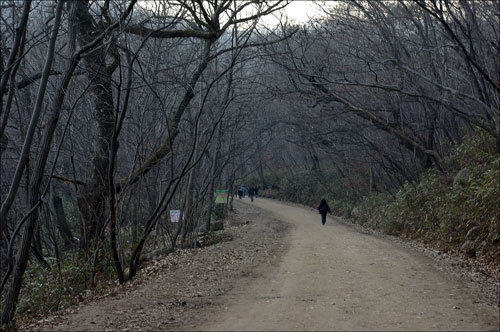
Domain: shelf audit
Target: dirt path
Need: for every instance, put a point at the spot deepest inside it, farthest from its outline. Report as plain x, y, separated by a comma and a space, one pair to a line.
303, 276
334, 278
181, 290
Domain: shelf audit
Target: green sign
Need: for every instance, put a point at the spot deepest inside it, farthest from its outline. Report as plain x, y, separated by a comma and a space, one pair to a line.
221, 196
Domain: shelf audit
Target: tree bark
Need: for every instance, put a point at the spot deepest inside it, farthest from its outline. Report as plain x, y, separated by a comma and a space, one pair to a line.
93, 196
5, 73
60, 220
22, 259
24, 157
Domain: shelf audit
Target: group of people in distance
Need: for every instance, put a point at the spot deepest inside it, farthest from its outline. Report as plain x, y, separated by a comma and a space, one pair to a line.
322, 208
252, 192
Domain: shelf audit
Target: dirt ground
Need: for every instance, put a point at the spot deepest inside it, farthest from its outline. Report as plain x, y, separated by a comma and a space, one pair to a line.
180, 290
283, 270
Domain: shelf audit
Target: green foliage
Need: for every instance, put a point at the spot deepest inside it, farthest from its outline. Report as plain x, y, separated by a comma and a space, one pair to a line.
308, 187
299, 189
440, 210
64, 284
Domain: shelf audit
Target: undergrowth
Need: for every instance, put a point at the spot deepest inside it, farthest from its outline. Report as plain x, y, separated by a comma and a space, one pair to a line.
308, 187
66, 282
444, 209
73, 279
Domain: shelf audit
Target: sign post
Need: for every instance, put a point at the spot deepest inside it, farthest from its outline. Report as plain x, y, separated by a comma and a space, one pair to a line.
175, 215
221, 196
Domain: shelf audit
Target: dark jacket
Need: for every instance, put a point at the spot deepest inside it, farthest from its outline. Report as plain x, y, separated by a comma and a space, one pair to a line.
323, 208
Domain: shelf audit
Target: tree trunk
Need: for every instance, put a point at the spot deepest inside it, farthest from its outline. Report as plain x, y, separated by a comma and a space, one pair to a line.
188, 222
60, 220
261, 167
93, 196
22, 259
24, 157
213, 176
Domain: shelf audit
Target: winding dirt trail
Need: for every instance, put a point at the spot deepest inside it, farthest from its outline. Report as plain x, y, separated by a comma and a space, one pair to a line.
335, 278
283, 270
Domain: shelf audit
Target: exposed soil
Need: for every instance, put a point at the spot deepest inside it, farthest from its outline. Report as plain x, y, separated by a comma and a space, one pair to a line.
483, 278
283, 270
177, 291
336, 278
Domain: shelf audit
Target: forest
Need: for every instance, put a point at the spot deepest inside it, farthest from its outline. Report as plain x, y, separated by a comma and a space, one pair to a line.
114, 112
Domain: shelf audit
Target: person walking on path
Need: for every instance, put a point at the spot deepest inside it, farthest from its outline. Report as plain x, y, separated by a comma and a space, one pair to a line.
251, 192
323, 209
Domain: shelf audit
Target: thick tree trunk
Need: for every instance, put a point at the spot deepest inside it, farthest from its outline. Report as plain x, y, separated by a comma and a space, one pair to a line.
60, 220
93, 196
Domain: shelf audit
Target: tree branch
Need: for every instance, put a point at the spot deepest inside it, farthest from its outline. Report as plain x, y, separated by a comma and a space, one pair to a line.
158, 33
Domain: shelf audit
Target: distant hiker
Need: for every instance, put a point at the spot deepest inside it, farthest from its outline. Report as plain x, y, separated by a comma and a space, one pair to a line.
239, 193
243, 191
251, 192
323, 209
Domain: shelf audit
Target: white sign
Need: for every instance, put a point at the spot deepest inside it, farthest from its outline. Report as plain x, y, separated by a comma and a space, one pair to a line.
175, 215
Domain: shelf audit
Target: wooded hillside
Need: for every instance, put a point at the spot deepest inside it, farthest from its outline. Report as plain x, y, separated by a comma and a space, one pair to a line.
113, 113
